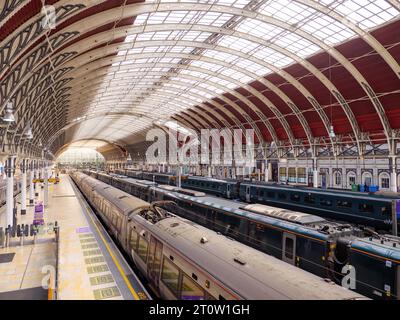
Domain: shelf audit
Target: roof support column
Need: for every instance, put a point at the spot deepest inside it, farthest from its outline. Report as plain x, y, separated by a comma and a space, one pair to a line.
393, 164
266, 170
23, 186
46, 184
315, 173
10, 170
393, 173
31, 184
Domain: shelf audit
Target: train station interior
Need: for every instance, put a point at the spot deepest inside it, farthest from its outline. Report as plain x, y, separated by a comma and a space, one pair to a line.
199, 150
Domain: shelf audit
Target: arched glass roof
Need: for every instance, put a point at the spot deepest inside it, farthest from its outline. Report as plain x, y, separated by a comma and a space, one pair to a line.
151, 75
128, 65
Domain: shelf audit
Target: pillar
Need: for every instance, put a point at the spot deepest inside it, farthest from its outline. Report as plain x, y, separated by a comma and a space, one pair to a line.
23, 186
31, 177
393, 175
179, 174
42, 170
46, 184
209, 171
10, 170
266, 171
315, 174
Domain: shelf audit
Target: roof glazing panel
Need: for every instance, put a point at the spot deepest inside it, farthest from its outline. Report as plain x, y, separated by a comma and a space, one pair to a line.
197, 64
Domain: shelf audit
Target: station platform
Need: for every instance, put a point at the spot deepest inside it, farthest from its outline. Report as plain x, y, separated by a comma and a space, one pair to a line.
86, 262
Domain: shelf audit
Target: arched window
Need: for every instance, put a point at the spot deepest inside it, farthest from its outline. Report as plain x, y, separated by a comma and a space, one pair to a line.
351, 179
338, 179
367, 178
384, 181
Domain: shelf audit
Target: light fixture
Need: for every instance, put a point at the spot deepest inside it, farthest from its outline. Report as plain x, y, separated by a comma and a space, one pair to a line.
331, 132
8, 113
28, 132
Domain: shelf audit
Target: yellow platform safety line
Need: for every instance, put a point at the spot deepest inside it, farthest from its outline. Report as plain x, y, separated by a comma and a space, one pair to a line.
51, 180
50, 291
50, 294
135, 295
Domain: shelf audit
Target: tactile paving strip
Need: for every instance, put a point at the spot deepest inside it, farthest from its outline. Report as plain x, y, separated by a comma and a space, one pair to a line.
90, 246
95, 281
88, 240
96, 252
98, 259
106, 293
86, 235
97, 269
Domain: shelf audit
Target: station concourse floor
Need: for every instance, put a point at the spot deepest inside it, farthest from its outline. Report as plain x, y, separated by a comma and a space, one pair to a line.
90, 265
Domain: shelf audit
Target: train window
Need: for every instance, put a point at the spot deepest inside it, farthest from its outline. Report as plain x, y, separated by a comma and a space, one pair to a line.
289, 248
309, 198
325, 203
271, 195
170, 276
295, 197
282, 196
133, 240
143, 245
366, 208
343, 204
191, 290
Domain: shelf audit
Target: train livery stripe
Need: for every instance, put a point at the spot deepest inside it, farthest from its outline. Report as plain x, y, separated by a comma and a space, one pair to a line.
375, 256
128, 284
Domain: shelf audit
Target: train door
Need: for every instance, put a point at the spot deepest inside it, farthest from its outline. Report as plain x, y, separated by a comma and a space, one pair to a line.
154, 261
289, 248
228, 190
248, 193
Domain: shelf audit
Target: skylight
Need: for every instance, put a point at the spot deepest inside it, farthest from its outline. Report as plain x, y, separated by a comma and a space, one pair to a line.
164, 70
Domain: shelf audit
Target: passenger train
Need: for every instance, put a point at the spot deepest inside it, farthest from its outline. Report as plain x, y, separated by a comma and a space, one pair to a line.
183, 260
379, 211
310, 242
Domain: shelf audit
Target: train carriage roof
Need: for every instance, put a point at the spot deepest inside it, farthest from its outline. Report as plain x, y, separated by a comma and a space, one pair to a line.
206, 179
388, 248
258, 275
234, 207
333, 193
124, 201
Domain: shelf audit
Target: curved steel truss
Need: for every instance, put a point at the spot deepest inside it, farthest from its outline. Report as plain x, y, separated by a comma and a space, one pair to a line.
111, 71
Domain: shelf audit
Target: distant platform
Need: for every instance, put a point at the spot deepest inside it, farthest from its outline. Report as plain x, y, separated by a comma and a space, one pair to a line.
90, 266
